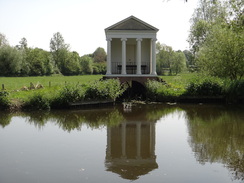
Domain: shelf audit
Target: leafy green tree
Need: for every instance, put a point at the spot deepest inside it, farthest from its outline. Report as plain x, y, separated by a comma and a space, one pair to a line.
71, 65
164, 59
178, 62
189, 58
86, 65
22, 44
208, 13
99, 68
38, 62
10, 61
99, 55
23, 49
216, 38
236, 15
222, 53
59, 50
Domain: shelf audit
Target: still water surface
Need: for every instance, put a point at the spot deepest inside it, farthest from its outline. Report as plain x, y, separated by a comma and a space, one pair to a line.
148, 143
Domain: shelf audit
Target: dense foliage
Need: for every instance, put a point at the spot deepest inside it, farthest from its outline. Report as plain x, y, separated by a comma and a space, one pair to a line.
169, 61
207, 86
108, 90
22, 60
217, 38
199, 86
4, 100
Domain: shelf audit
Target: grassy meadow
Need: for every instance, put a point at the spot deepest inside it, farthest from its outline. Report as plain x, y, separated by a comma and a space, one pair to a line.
58, 91
52, 85
16, 83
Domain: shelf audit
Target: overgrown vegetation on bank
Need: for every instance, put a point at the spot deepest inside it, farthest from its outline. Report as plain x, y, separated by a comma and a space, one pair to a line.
175, 88
197, 87
62, 97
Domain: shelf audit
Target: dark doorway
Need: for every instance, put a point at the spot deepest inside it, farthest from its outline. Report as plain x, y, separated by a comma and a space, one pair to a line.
135, 91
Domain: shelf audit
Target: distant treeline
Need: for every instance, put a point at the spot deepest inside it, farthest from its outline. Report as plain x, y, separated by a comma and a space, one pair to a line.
22, 60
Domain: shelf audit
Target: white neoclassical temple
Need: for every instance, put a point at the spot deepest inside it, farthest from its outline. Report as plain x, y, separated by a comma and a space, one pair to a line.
131, 49
131, 149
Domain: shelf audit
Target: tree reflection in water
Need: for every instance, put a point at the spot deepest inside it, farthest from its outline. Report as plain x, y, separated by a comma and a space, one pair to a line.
216, 134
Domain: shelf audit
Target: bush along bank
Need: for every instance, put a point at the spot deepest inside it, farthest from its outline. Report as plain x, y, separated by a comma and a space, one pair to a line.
200, 90
203, 90
4, 100
95, 92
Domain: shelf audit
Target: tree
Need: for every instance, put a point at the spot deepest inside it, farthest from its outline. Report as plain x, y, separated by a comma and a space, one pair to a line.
86, 65
164, 59
216, 38
23, 43
99, 55
59, 50
178, 62
3, 40
10, 61
222, 53
99, 68
189, 58
38, 62
71, 65
208, 13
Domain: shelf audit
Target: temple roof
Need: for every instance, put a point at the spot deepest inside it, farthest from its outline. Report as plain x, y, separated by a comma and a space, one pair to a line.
132, 23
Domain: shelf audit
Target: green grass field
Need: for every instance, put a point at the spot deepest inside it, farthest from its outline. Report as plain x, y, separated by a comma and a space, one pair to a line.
16, 83
181, 79
52, 84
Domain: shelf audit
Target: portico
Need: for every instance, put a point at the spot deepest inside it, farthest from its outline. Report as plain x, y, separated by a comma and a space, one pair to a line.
131, 48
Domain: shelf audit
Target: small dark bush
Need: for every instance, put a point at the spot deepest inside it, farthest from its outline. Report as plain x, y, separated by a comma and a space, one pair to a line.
4, 100
204, 87
37, 102
234, 90
109, 89
68, 94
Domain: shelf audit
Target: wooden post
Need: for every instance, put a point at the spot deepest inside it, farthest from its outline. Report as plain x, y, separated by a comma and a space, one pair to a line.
49, 84
2, 86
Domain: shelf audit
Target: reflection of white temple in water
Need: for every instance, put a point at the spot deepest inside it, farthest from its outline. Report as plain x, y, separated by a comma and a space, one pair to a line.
131, 149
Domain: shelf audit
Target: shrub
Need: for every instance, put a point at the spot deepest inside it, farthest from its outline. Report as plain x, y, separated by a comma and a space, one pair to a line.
158, 91
152, 89
207, 86
104, 89
234, 90
38, 102
4, 100
69, 93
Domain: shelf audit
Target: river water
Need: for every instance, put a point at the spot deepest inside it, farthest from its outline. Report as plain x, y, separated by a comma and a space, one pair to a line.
145, 143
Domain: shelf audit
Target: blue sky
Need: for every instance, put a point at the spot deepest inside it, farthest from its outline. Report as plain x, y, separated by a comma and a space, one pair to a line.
82, 22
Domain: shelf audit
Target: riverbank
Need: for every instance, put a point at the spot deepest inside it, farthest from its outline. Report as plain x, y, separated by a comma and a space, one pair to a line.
81, 93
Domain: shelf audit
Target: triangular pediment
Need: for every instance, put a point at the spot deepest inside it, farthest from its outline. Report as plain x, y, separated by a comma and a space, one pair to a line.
132, 23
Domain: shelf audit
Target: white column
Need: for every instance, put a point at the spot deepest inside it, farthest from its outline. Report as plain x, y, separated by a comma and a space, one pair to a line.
123, 139
138, 140
109, 56
123, 71
138, 56
153, 57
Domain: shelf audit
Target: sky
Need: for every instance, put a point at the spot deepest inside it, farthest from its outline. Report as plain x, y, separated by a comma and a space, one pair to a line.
82, 22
